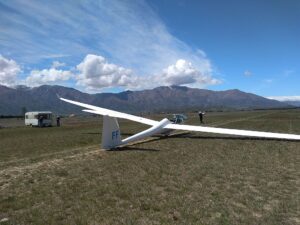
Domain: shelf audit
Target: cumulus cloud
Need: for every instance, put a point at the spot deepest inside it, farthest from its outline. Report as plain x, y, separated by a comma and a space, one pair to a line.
184, 73
9, 70
97, 73
47, 76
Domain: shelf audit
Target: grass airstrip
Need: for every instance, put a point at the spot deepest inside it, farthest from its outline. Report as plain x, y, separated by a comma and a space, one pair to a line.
61, 176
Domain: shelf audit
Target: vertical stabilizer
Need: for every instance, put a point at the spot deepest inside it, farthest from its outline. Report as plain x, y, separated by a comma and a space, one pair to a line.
111, 134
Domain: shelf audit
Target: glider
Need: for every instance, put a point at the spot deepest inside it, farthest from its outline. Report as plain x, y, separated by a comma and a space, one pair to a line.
111, 135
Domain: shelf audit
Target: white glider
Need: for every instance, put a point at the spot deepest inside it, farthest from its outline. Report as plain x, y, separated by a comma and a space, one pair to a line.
111, 135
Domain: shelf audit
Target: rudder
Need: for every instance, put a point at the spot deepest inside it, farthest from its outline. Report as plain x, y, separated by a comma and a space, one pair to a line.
111, 134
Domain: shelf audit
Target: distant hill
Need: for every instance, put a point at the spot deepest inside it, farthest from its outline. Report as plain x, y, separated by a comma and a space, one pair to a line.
290, 100
293, 103
160, 99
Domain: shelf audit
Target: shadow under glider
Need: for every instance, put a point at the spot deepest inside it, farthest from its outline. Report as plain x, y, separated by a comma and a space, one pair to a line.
111, 134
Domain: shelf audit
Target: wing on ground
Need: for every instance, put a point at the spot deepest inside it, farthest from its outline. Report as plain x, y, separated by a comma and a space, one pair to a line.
247, 133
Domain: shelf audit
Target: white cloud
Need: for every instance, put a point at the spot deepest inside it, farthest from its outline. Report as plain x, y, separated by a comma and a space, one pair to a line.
9, 70
201, 52
268, 81
96, 73
57, 64
184, 73
129, 32
285, 98
247, 73
47, 76
53, 56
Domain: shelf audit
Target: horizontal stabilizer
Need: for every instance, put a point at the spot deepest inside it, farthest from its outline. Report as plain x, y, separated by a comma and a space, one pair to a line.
146, 133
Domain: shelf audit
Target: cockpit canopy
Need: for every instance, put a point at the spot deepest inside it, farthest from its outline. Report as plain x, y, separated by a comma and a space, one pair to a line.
178, 118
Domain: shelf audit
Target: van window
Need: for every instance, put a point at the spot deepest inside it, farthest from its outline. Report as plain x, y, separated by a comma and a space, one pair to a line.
26, 117
46, 116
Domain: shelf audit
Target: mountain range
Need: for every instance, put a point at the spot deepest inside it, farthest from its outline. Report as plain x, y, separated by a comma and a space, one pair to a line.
160, 99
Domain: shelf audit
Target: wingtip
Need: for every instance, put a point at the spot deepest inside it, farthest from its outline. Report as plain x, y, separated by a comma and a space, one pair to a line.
58, 96
61, 98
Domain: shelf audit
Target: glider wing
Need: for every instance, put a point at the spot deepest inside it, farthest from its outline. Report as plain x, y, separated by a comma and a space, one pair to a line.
111, 113
247, 133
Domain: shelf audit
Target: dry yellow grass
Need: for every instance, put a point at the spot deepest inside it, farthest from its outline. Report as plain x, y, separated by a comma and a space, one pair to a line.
187, 179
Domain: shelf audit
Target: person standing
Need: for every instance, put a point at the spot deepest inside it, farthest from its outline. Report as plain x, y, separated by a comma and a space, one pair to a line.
58, 121
201, 115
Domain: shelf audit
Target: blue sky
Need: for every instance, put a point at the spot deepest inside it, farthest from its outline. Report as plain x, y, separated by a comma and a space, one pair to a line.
98, 46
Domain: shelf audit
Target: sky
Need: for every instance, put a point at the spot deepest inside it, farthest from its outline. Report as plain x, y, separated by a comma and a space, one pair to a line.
117, 45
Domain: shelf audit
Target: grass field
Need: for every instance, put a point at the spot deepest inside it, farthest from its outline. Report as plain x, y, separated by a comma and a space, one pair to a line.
60, 175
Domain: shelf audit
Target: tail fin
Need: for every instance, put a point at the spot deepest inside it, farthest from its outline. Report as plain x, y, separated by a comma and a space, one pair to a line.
111, 134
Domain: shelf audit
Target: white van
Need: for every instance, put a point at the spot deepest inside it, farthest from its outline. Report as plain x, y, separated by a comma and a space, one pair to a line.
43, 119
